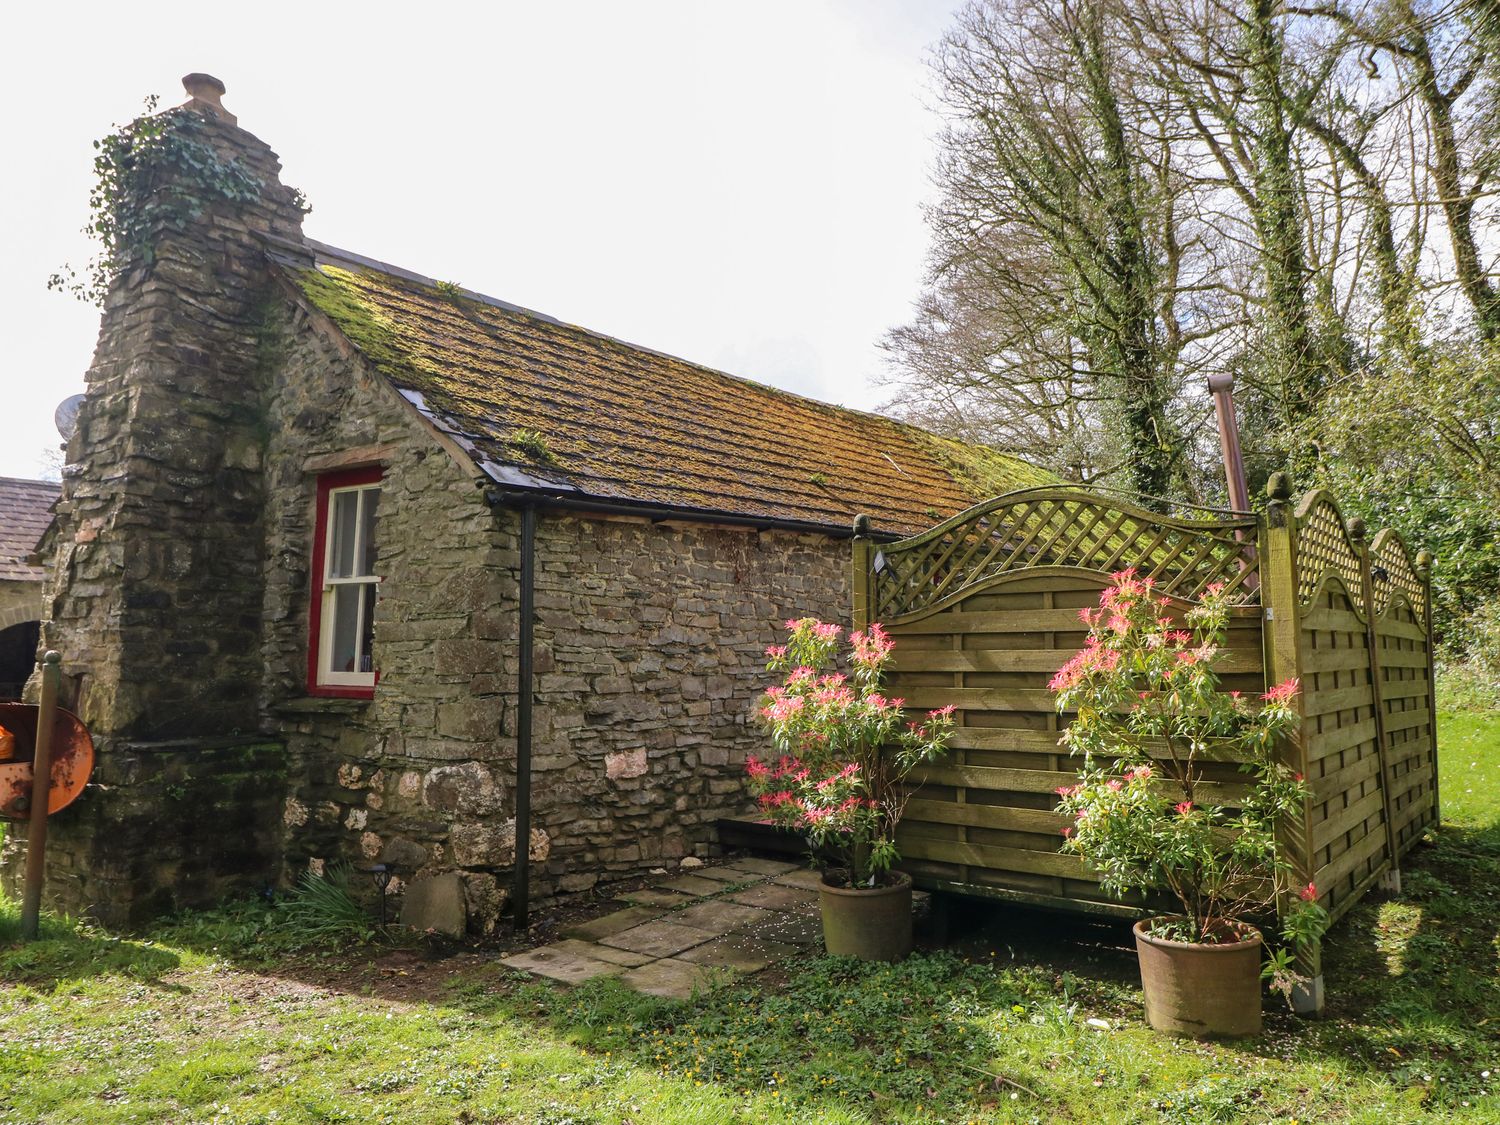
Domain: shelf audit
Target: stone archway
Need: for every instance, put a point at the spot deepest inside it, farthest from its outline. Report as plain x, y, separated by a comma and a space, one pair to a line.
18, 643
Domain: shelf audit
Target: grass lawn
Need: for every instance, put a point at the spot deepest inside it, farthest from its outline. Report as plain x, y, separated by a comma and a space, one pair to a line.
214, 1021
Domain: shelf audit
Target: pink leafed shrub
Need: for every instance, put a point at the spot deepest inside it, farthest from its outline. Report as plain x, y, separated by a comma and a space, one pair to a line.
1148, 712
842, 748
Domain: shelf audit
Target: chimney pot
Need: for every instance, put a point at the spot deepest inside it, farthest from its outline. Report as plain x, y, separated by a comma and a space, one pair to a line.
207, 89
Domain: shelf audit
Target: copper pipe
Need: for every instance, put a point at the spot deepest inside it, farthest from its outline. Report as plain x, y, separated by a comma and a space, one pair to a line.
1222, 387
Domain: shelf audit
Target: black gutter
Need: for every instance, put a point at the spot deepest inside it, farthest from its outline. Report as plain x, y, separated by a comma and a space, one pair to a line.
657, 513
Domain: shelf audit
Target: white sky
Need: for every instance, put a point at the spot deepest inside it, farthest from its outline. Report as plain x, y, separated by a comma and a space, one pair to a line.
736, 183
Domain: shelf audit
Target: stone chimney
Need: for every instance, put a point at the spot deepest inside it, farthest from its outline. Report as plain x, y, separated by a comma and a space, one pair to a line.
154, 595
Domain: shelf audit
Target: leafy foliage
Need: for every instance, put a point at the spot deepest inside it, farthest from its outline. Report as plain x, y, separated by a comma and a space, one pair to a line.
1149, 713
323, 909
844, 751
158, 172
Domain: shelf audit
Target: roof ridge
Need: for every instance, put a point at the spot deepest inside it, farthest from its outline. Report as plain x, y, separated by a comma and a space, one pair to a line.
335, 254
54, 485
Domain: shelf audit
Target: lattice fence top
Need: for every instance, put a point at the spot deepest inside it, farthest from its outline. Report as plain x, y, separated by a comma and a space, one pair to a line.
1324, 549
1392, 572
1057, 527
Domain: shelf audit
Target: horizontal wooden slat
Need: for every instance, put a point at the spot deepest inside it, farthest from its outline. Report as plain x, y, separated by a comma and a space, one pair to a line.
1413, 813
1402, 658
1008, 739
994, 778
1029, 660
1345, 779
1343, 699
1334, 660
1415, 751
1004, 780
1326, 743
1402, 700
994, 858
995, 621
1344, 863
1407, 720
976, 699
1332, 830
1001, 817
1321, 619
1388, 627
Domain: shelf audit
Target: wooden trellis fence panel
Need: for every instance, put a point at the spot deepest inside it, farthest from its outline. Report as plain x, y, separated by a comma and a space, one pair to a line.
1365, 661
984, 609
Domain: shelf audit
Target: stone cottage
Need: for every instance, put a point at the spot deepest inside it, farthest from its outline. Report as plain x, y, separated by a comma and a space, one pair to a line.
25, 511
352, 564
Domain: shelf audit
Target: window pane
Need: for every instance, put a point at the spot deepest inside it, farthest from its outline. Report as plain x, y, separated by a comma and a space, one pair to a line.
367, 627
346, 601
367, 529
344, 515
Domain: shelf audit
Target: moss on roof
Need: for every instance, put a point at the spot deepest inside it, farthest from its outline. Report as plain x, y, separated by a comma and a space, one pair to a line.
622, 423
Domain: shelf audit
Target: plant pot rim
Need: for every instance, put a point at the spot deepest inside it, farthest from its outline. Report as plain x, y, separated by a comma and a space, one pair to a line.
902, 883
1210, 947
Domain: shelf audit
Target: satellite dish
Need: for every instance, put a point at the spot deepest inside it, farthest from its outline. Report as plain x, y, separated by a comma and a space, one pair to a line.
65, 417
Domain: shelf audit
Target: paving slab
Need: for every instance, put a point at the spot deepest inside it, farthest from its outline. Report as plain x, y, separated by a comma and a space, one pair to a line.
719, 916
608, 953
806, 878
673, 979
693, 885
561, 964
726, 874
760, 866
791, 929
739, 952
659, 939
650, 896
596, 928
771, 897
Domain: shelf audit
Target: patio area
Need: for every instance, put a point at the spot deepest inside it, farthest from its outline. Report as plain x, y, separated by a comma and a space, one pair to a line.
690, 931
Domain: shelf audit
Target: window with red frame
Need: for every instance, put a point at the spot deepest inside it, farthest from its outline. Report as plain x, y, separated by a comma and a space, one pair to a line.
341, 658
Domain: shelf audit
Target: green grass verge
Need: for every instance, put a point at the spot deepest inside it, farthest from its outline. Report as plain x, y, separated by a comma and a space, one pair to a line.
218, 1019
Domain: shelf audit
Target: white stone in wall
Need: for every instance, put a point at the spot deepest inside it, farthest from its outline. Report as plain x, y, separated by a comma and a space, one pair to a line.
295, 813
625, 763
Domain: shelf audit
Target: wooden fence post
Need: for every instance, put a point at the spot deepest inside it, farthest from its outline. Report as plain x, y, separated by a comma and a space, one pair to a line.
1283, 653
862, 573
1390, 879
1424, 563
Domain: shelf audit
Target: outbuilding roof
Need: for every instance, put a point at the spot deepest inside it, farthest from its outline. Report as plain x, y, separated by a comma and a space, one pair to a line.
550, 407
25, 512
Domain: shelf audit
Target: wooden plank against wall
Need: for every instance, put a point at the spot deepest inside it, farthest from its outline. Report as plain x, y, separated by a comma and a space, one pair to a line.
993, 858
1026, 660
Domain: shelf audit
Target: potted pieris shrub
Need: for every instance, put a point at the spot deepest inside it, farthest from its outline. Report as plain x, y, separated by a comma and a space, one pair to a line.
843, 753
1148, 714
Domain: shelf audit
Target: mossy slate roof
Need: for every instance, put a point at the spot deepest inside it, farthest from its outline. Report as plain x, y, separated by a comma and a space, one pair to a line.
544, 405
25, 512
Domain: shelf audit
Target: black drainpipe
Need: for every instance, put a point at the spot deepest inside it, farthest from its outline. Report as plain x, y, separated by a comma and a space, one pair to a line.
524, 690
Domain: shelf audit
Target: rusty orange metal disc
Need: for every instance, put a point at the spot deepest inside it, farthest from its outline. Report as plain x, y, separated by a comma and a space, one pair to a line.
72, 760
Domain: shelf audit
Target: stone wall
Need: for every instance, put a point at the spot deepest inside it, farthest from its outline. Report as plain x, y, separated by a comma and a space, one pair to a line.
165, 826
383, 780
651, 646
154, 589
650, 651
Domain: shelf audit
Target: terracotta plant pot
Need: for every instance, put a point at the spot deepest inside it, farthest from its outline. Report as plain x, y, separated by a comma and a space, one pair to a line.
1200, 990
870, 923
